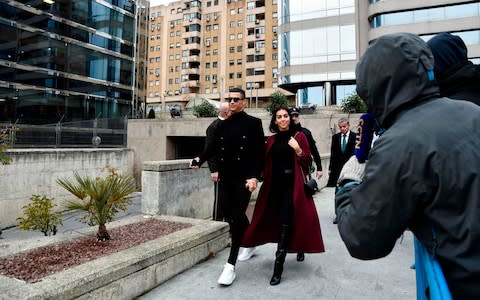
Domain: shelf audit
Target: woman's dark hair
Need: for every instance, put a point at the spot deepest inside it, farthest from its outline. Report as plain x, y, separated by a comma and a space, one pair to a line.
274, 127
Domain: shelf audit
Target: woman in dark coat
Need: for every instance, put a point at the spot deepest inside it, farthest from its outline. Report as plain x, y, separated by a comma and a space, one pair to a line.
284, 214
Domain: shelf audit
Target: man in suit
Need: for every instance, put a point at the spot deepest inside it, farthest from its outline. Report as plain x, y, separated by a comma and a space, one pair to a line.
341, 149
218, 204
238, 142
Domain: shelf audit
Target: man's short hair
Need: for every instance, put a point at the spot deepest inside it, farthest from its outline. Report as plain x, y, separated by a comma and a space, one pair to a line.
343, 120
237, 90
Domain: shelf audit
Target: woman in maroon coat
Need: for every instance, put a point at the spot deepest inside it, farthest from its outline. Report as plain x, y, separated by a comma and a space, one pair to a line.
284, 214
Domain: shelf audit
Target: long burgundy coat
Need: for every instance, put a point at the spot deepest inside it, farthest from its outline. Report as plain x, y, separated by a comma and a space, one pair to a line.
265, 226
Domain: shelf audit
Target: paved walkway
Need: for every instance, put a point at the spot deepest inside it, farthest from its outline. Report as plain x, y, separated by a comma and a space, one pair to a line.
330, 275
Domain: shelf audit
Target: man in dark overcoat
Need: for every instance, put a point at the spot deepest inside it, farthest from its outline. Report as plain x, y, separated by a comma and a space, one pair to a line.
238, 143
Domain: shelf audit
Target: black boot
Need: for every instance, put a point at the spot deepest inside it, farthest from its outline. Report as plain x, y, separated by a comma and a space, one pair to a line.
280, 255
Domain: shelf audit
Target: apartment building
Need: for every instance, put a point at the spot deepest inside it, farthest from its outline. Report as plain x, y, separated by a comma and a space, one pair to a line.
321, 41
200, 49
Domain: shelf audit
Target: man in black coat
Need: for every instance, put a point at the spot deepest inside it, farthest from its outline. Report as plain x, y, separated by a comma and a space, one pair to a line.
238, 144
341, 149
295, 115
218, 204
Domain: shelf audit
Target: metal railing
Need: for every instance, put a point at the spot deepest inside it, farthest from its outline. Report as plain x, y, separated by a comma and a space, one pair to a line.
104, 133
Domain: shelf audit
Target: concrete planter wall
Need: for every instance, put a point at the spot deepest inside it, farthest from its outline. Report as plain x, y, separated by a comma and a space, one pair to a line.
35, 171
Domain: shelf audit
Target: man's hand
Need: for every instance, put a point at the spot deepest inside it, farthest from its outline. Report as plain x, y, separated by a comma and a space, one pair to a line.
319, 174
214, 176
352, 170
251, 184
194, 163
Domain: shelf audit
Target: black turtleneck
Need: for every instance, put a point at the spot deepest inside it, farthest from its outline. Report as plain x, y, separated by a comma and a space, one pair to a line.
282, 153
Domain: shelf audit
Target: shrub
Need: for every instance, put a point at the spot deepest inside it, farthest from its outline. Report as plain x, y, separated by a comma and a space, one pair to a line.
278, 99
100, 198
5, 143
353, 104
39, 215
205, 110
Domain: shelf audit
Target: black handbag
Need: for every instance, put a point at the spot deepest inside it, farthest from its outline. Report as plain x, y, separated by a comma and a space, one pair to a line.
311, 187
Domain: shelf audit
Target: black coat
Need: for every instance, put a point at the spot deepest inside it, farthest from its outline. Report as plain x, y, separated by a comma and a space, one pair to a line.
312, 144
339, 158
238, 143
462, 83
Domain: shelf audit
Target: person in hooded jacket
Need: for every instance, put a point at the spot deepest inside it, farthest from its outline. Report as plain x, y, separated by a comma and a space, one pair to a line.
423, 172
457, 77
283, 212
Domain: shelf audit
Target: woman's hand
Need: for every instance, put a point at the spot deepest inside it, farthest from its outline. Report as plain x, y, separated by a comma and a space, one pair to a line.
294, 144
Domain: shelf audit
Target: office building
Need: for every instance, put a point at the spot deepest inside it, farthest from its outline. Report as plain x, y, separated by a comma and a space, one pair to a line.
72, 60
203, 48
321, 41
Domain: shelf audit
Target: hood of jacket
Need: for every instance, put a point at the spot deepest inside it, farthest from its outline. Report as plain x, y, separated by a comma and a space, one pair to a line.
449, 52
395, 72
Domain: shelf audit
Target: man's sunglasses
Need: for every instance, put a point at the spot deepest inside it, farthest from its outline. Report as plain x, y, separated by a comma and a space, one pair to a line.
234, 99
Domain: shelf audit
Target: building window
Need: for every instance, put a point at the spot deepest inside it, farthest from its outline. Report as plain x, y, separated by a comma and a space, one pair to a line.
232, 24
231, 62
239, 75
215, 39
232, 49
240, 23
215, 51
232, 12
239, 48
232, 37
215, 26
275, 56
250, 18
231, 75
215, 64
207, 65
251, 5
239, 36
170, 58
207, 77
239, 61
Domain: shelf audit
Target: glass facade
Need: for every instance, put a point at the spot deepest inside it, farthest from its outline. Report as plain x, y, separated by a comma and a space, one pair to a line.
67, 61
315, 40
427, 15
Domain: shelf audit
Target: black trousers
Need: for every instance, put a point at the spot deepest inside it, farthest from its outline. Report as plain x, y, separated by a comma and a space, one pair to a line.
236, 198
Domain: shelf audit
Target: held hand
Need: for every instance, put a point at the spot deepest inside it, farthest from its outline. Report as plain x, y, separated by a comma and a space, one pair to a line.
251, 184
319, 174
214, 176
194, 163
352, 170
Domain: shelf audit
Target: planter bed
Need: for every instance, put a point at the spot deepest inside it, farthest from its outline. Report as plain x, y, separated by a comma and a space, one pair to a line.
121, 275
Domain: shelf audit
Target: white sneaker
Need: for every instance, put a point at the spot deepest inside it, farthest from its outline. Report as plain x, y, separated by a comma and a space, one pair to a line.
228, 275
246, 253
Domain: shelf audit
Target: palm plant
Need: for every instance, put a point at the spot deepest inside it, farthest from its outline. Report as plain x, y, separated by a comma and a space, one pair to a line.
100, 198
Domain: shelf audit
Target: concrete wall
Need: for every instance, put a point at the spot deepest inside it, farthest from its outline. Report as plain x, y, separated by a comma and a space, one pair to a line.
149, 138
35, 171
172, 188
